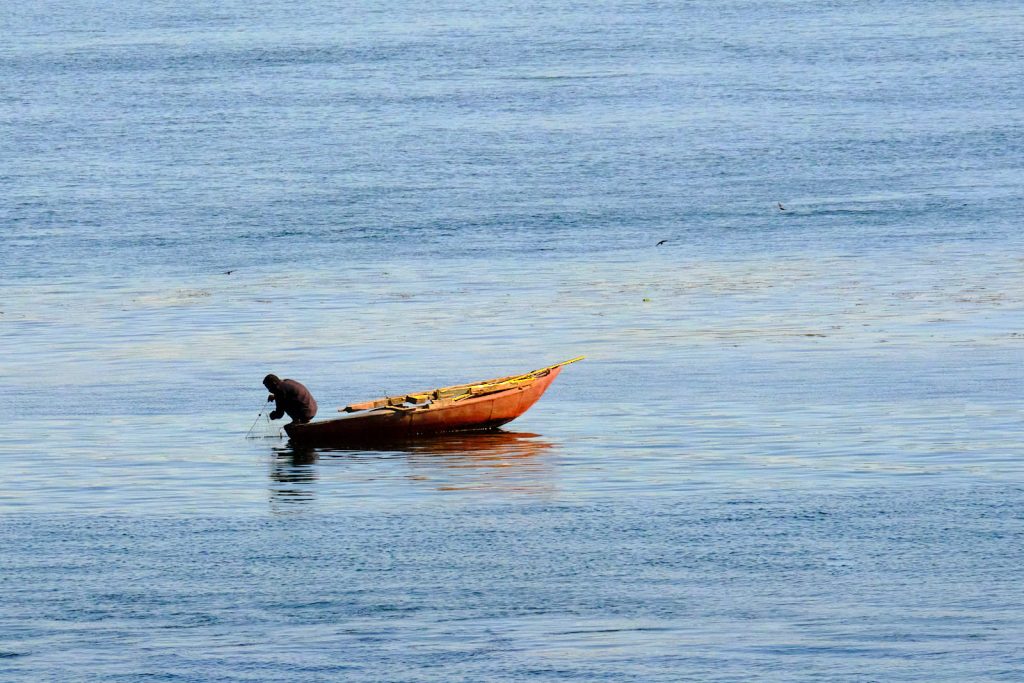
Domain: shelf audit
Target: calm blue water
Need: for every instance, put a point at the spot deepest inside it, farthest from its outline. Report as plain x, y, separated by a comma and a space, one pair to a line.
793, 453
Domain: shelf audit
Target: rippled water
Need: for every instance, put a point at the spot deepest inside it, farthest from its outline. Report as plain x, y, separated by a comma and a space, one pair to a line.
794, 449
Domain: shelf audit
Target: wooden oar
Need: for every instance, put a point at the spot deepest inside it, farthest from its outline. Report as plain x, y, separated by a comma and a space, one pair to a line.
456, 392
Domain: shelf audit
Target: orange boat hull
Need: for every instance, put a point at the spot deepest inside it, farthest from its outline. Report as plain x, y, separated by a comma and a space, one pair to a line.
472, 414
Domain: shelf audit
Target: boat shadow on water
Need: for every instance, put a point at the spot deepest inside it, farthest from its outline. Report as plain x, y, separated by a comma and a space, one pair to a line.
498, 460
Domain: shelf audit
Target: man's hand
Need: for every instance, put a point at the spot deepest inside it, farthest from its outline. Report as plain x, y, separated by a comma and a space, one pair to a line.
270, 398
277, 415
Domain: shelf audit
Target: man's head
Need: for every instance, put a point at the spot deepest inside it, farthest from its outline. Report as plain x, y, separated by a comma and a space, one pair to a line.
271, 382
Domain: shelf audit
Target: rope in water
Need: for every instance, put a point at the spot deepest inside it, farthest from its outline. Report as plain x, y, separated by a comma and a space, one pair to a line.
256, 420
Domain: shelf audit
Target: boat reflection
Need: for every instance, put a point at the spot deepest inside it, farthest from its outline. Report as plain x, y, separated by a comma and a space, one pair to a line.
491, 461
292, 476
498, 461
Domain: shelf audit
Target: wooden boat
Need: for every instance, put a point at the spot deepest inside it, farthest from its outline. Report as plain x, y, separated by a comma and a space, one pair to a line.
464, 407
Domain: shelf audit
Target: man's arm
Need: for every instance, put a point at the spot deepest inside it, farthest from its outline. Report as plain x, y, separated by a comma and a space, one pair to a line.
278, 413
284, 396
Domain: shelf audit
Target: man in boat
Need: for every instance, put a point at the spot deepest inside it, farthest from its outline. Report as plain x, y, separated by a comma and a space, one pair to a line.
291, 397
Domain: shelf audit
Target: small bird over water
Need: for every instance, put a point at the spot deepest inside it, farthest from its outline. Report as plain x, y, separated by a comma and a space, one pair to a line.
660, 243
228, 272
781, 207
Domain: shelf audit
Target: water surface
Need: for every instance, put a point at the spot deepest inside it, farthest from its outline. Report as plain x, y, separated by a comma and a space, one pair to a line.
792, 453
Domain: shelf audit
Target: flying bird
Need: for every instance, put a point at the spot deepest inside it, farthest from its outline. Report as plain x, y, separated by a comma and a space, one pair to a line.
660, 243
228, 272
781, 207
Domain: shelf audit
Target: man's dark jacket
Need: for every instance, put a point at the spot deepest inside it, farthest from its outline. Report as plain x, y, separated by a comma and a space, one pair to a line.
293, 398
